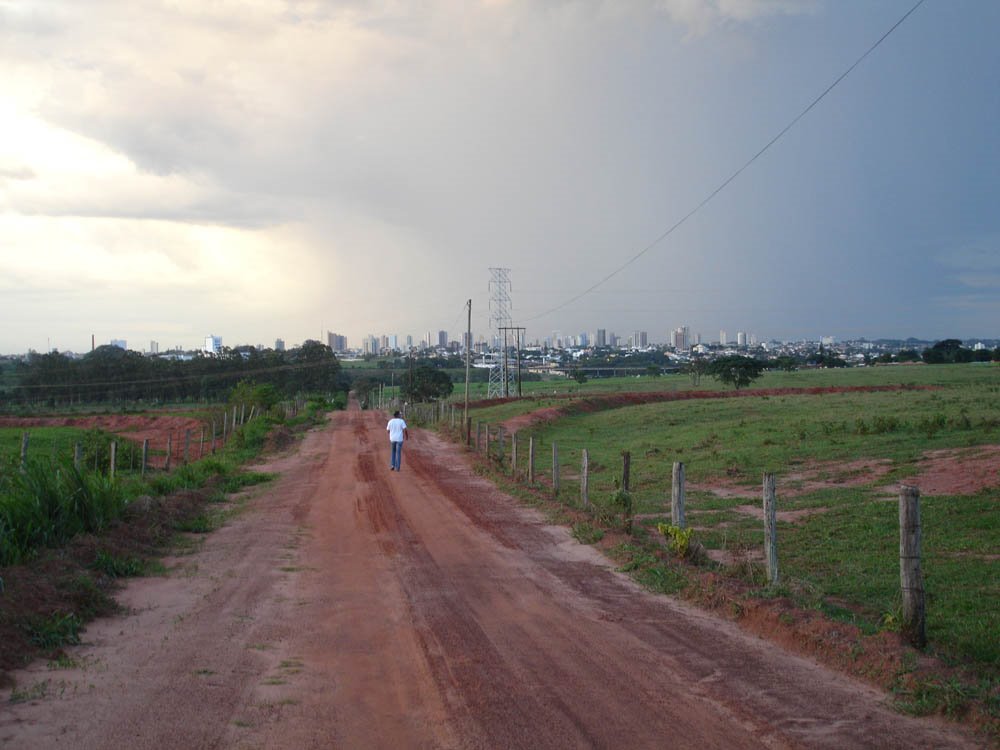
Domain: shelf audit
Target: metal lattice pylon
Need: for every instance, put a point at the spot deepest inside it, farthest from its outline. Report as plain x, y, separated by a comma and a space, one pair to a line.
501, 375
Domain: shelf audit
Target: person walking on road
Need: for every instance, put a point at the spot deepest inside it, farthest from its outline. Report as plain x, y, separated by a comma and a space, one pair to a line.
396, 428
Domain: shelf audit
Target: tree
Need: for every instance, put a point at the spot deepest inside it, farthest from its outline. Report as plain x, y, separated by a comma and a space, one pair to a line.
736, 370
697, 367
426, 384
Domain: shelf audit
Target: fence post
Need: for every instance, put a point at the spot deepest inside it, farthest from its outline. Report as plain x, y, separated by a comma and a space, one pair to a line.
213, 436
232, 422
770, 530
677, 496
243, 412
201, 444
170, 449
531, 459
479, 436
225, 424
626, 469
555, 469
500, 443
453, 416
911, 579
585, 479
25, 437
114, 456
145, 454
468, 432
77, 456
513, 454
187, 445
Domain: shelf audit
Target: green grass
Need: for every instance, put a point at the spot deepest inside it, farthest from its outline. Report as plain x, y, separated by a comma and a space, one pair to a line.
842, 560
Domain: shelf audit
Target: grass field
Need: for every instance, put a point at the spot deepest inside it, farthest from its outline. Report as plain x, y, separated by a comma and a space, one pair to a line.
837, 459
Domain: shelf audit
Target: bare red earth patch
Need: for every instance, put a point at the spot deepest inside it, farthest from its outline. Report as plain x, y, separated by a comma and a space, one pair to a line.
959, 471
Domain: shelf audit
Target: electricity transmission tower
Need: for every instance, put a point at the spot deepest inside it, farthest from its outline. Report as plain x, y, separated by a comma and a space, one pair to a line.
503, 379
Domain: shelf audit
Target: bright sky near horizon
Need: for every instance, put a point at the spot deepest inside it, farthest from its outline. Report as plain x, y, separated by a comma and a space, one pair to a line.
258, 169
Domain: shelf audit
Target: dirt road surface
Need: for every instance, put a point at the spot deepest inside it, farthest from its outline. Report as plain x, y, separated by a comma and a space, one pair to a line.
354, 607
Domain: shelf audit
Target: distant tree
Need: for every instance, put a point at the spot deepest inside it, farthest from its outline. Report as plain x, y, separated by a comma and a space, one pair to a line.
786, 363
694, 369
426, 384
907, 355
653, 370
947, 351
580, 376
736, 370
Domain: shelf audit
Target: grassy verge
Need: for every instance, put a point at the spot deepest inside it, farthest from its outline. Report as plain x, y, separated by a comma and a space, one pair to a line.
69, 537
838, 458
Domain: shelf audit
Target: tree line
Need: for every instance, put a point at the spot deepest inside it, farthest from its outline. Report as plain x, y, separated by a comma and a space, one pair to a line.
110, 374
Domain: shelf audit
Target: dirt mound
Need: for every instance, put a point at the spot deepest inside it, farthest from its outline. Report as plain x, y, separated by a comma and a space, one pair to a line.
958, 471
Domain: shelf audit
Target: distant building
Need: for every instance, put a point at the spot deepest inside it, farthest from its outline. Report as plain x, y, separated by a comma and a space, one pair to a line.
371, 345
679, 338
279, 345
213, 344
466, 341
154, 347
741, 338
601, 339
120, 343
723, 340
443, 339
336, 342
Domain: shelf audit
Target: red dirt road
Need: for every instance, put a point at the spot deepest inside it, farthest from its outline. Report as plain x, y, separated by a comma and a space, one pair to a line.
353, 607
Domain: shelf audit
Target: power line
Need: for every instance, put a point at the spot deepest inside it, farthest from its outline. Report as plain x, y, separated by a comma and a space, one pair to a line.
735, 174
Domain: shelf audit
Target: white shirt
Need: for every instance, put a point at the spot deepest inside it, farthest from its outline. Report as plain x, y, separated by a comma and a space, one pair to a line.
395, 428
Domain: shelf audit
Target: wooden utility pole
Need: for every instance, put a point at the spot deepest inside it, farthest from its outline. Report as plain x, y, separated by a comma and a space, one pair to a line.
468, 353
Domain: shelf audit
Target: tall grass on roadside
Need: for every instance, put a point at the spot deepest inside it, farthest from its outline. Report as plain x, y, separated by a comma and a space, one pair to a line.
47, 504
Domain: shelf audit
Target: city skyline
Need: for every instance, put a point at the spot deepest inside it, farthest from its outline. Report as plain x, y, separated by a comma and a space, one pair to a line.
295, 168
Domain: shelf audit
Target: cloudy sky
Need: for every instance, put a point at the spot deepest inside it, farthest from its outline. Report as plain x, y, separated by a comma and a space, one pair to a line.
257, 169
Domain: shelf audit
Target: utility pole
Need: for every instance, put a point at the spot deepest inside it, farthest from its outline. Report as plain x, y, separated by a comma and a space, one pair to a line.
468, 350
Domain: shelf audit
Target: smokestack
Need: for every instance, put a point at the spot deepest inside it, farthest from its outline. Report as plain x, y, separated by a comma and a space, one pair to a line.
91, 342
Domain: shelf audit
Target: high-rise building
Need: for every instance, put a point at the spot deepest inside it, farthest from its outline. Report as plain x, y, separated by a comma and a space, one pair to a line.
409, 342
370, 345
601, 339
679, 338
722, 338
443, 339
741, 338
394, 342
213, 344
336, 342
154, 347
279, 345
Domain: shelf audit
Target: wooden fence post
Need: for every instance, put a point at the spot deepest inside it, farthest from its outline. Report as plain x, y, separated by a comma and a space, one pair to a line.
232, 422
468, 432
25, 438
243, 413
114, 456
770, 530
479, 436
531, 459
201, 444
513, 454
677, 496
585, 479
626, 469
187, 445
170, 449
77, 456
911, 579
213, 436
555, 469
145, 455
